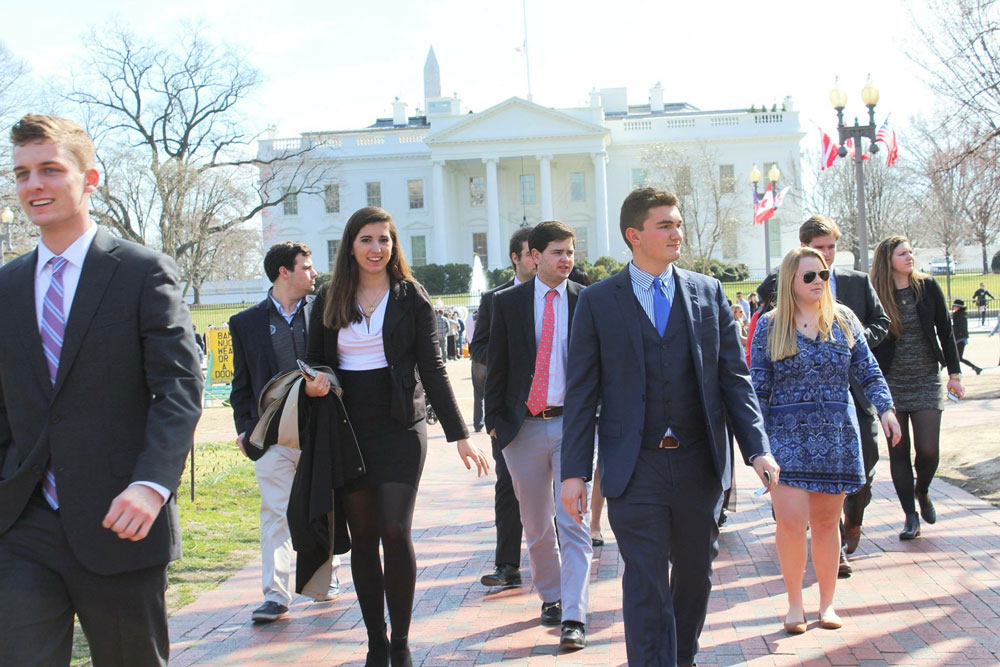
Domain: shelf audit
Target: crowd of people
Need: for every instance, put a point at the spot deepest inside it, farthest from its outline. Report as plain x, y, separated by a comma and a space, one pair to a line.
637, 391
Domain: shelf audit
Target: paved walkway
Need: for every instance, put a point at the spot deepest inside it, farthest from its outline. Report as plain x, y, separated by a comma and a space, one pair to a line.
933, 601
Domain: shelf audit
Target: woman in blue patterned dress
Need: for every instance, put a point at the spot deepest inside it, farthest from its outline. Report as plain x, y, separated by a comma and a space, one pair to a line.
802, 357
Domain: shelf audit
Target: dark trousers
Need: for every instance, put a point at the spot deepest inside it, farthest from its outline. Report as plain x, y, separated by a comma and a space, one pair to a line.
478, 393
855, 504
667, 531
124, 616
961, 355
507, 511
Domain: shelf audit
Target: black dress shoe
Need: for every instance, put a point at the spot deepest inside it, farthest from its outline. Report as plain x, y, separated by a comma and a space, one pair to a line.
268, 612
552, 613
378, 649
574, 636
399, 652
503, 575
911, 528
844, 570
927, 511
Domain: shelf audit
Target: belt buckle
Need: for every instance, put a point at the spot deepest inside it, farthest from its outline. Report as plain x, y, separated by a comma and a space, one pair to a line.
669, 442
544, 414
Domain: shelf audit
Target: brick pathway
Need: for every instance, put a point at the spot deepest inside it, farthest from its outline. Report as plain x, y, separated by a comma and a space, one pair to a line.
933, 601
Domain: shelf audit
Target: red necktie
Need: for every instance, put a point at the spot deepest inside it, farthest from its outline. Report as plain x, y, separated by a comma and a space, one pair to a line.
539, 393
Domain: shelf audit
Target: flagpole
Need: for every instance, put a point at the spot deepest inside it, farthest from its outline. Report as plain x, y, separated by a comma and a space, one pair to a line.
527, 62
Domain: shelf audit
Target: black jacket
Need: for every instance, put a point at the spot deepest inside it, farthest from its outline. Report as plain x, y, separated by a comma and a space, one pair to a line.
960, 324
410, 344
481, 336
935, 324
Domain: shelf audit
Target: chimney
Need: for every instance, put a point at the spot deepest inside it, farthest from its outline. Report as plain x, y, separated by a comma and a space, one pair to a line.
399, 113
656, 98
595, 98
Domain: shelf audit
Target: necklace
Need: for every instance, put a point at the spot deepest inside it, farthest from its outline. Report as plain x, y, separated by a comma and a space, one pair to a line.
370, 308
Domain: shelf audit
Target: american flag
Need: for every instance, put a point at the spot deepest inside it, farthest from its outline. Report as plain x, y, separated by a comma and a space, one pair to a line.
887, 136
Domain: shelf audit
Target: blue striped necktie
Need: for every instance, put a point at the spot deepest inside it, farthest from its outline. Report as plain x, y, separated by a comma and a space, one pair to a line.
53, 331
661, 306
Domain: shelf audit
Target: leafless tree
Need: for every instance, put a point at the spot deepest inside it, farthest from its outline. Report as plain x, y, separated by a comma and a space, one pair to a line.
180, 172
980, 202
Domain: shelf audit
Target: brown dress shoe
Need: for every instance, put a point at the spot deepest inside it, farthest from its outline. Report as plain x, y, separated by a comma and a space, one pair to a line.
852, 535
844, 570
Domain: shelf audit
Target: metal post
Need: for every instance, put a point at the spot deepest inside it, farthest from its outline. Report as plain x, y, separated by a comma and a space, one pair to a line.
767, 248
859, 176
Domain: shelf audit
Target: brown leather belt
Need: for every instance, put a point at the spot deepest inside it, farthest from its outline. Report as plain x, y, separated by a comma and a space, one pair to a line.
669, 442
550, 412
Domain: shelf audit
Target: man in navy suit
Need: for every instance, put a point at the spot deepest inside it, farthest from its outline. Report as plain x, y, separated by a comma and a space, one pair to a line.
657, 348
268, 339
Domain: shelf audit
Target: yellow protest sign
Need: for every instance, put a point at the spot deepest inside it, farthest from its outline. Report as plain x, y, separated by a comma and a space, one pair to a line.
220, 350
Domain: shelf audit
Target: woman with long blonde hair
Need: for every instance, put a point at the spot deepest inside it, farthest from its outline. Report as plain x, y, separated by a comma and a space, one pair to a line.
803, 354
920, 341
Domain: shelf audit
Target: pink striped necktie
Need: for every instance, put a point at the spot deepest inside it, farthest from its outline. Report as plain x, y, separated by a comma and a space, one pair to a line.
53, 331
539, 394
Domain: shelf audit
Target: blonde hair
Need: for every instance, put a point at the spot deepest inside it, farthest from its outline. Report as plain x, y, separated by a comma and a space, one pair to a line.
781, 340
885, 286
61, 131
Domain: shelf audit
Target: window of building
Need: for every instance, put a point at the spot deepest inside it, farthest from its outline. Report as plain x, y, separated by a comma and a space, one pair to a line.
418, 250
580, 246
577, 187
774, 240
331, 253
527, 189
331, 197
291, 203
477, 191
683, 180
374, 191
638, 178
479, 247
416, 190
727, 178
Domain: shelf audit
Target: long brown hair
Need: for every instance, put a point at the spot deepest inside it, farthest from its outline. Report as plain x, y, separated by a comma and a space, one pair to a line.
885, 287
781, 340
340, 308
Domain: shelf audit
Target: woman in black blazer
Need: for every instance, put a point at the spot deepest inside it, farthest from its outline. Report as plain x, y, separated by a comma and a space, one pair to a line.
919, 343
374, 325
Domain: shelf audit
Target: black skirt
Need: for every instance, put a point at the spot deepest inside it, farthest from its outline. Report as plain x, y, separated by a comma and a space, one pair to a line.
393, 451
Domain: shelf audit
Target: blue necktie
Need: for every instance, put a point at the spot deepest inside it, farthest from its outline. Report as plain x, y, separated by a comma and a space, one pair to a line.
661, 306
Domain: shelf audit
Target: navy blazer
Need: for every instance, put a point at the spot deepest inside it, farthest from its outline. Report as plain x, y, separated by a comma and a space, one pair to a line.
607, 367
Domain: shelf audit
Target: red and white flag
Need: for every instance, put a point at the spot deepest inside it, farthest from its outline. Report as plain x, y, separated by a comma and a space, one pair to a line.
887, 136
849, 145
780, 197
829, 152
764, 209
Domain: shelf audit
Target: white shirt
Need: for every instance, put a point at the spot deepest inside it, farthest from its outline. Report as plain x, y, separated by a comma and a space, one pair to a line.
833, 284
360, 346
560, 338
74, 256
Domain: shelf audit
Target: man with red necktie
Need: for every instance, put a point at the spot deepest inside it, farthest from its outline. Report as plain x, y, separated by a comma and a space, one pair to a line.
525, 387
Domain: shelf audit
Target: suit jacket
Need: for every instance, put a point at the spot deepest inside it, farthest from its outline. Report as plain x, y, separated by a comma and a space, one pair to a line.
510, 364
607, 367
410, 345
123, 408
254, 364
481, 337
935, 325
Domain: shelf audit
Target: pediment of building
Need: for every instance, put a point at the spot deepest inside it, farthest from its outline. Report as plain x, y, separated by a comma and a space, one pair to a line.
515, 120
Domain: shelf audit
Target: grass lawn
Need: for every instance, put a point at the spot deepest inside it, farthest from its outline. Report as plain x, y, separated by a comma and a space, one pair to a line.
220, 528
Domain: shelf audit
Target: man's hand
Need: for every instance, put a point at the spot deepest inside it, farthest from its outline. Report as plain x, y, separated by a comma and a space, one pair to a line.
574, 497
766, 462
239, 442
133, 511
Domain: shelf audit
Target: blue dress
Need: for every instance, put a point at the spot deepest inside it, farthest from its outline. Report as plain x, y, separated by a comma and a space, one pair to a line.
808, 411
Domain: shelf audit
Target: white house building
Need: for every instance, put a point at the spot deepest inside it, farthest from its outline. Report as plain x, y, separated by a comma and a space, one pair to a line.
460, 183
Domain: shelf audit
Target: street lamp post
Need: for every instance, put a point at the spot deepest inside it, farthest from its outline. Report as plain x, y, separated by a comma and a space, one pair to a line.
773, 174
6, 217
857, 133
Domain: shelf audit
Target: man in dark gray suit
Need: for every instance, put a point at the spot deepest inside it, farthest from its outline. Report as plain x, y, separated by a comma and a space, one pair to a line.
853, 289
657, 348
100, 392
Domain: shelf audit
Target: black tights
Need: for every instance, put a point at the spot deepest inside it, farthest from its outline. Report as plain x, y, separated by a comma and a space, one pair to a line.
383, 513
926, 443
961, 357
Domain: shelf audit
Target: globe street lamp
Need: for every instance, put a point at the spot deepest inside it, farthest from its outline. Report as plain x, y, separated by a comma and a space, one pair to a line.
857, 133
6, 217
773, 174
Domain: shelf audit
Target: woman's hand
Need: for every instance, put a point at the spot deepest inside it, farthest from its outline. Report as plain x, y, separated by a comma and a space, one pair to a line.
890, 426
956, 386
472, 455
318, 387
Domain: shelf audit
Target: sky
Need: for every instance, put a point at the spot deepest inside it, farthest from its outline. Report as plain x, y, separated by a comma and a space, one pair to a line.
339, 65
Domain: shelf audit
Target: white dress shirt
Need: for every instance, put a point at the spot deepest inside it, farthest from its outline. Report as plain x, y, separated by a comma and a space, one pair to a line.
74, 255
360, 346
833, 284
560, 338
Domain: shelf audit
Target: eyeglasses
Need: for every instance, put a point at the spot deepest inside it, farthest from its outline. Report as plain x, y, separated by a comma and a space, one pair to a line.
810, 276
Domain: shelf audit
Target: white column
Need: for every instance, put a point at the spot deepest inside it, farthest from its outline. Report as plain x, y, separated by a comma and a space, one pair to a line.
494, 244
439, 240
603, 245
545, 164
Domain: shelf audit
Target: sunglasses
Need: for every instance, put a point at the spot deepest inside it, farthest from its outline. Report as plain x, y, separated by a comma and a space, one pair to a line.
810, 276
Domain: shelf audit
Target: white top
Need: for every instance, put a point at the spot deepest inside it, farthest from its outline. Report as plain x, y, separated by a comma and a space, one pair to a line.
560, 338
360, 346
